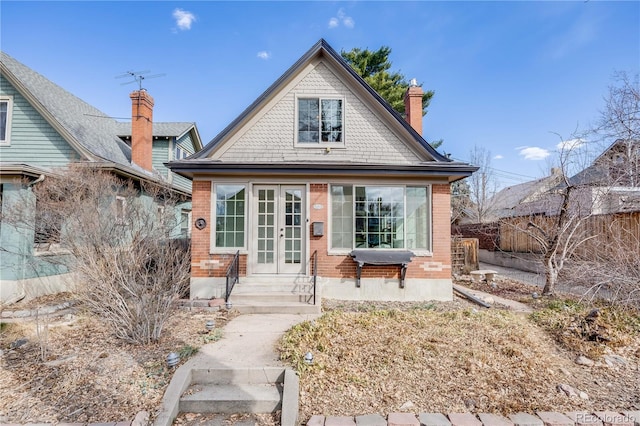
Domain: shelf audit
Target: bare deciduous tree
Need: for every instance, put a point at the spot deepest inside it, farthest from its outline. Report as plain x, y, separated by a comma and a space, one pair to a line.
482, 184
556, 221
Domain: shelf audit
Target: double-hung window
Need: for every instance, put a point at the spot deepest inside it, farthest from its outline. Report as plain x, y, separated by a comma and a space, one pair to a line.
380, 217
320, 121
6, 105
180, 153
230, 216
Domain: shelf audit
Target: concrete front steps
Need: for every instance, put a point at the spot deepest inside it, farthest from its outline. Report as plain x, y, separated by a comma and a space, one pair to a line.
274, 295
233, 391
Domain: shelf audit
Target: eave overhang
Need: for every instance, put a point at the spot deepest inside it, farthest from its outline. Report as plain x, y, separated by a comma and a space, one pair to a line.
451, 171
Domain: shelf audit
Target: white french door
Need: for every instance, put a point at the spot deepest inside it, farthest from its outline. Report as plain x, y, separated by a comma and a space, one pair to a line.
279, 229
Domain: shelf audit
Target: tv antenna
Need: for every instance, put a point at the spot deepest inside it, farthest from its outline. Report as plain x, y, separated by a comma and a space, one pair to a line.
138, 77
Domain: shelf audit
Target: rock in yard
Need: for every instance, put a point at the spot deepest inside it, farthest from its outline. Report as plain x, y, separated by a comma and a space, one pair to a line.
583, 360
583, 395
568, 390
612, 360
18, 343
407, 406
141, 419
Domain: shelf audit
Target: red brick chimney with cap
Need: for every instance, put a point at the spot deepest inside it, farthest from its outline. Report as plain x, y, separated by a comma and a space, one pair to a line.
141, 128
413, 106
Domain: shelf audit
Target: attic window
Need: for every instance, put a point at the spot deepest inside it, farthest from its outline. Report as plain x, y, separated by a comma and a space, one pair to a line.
180, 153
320, 121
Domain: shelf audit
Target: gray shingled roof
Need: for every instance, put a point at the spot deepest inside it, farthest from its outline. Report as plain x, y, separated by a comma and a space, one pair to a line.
90, 128
164, 128
90, 131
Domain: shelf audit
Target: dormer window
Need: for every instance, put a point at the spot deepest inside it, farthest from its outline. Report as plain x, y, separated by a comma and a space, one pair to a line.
320, 121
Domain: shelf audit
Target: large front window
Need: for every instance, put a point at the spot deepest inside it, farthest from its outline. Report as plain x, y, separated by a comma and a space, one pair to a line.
319, 120
230, 214
380, 217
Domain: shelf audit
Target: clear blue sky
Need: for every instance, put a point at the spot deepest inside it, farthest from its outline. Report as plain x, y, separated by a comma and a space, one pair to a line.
508, 76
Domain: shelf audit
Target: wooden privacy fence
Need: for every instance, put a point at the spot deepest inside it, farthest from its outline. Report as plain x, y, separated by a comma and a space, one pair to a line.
621, 230
464, 255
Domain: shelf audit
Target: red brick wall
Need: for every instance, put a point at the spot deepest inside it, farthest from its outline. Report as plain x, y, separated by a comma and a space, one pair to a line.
200, 238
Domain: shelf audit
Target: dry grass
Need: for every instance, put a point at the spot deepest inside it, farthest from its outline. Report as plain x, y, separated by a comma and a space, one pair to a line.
88, 375
426, 360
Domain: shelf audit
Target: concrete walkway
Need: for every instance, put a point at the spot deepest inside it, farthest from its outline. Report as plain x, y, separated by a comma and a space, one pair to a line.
249, 340
531, 278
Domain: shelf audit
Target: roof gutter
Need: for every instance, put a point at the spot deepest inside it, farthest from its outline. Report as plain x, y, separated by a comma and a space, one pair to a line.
452, 171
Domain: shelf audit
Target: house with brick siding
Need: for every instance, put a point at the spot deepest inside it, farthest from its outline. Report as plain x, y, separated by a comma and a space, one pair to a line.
321, 167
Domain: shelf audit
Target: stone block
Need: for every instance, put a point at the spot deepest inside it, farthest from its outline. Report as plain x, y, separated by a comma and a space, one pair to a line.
463, 419
633, 416
613, 418
584, 418
433, 419
339, 421
525, 419
551, 418
494, 420
371, 420
316, 420
402, 419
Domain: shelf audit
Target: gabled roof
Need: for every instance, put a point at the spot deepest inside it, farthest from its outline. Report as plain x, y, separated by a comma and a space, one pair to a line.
320, 49
88, 130
91, 132
508, 199
431, 162
165, 129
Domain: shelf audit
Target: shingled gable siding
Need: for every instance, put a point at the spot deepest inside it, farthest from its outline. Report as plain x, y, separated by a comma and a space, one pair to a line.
271, 137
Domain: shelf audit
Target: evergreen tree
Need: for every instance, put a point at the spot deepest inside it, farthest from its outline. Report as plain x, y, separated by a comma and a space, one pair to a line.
375, 68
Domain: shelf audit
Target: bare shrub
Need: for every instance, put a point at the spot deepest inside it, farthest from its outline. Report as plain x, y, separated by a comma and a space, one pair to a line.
118, 233
609, 271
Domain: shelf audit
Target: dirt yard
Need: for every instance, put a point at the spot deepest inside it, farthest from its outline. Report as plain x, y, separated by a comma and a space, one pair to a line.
369, 358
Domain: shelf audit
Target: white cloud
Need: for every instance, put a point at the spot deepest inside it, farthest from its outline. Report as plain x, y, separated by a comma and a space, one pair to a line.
498, 157
184, 19
349, 22
570, 144
343, 19
533, 153
264, 55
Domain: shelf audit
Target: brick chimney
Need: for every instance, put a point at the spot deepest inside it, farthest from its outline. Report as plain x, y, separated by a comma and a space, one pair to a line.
141, 128
413, 106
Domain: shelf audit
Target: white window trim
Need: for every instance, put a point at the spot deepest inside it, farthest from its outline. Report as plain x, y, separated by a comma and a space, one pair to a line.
9, 100
178, 148
319, 144
343, 251
214, 249
188, 213
121, 209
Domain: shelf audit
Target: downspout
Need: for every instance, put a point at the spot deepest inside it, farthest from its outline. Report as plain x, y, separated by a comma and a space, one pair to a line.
40, 179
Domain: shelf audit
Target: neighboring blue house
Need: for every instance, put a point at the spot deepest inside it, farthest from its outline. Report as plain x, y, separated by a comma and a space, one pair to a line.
44, 127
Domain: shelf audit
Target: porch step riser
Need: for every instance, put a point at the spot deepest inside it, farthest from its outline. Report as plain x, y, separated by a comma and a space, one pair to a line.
230, 399
248, 298
278, 309
272, 288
